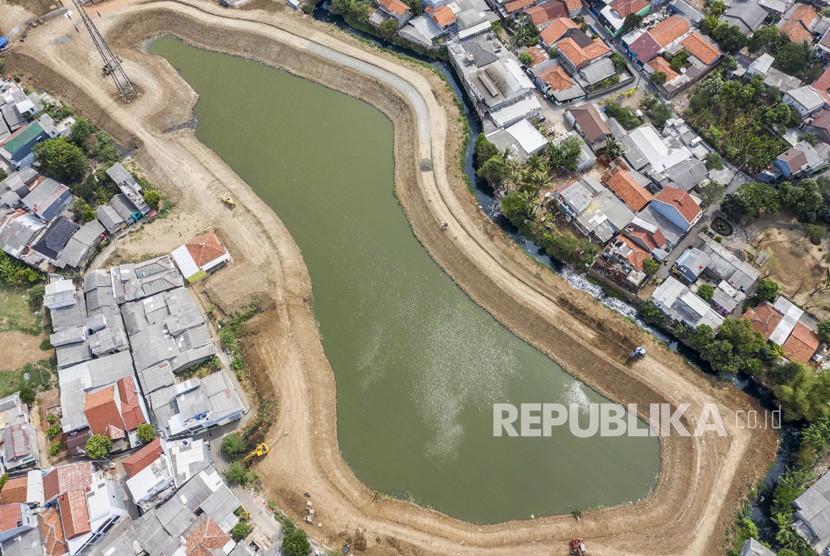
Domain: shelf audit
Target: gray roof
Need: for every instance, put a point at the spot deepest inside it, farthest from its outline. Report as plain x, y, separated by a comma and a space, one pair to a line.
87, 376
687, 10
109, 218
81, 245
12, 117
19, 445
155, 377
18, 232
27, 543
188, 457
48, 199
123, 207
68, 317
725, 265
813, 512
196, 403
598, 70
137, 281
751, 547
54, 240
120, 175
747, 15
686, 174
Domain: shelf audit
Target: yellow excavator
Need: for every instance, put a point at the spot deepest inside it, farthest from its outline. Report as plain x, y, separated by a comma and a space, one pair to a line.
228, 200
259, 451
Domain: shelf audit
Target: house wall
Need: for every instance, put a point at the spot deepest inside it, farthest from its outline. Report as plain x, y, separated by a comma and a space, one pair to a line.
672, 214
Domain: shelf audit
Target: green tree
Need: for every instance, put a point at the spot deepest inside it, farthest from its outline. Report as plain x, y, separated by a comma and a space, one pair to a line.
650, 267
152, 197
624, 115
804, 198
613, 148
27, 395
61, 159
36, 294
565, 155
794, 58
619, 62
240, 531
495, 170
518, 207
658, 78
767, 290
232, 446
145, 433
705, 291
660, 113
711, 193
526, 59
389, 27
824, 329
814, 233
483, 150
98, 447
767, 37
238, 475
83, 212
729, 63
713, 161
729, 37
295, 542
81, 130
631, 22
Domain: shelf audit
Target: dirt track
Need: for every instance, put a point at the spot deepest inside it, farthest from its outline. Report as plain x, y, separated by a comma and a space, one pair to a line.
702, 480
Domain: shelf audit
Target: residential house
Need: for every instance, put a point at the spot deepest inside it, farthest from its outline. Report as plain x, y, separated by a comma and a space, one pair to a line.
642, 46
649, 237
804, 99
19, 443
132, 282
110, 219
798, 23
824, 44
752, 547
746, 15
690, 265
593, 209
16, 149
701, 48
47, 250
125, 209
677, 206
793, 321
727, 298
167, 327
558, 29
772, 77
27, 543
140, 459
590, 123
812, 514
48, 199
544, 14
202, 255
613, 15
445, 19
153, 483
493, 79
819, 124
24, 489
622, 262
682, 305
196, 405
51, 530
764, 318
822, 86
520, 140
629, 186
17, 229
724, 265
197, 520
683, 8
660, 64
649, 153
803, 160
188, 458
81, 246
129, 187
15, 519
116, 411
802, 343
391, 9
556, 84
579, 50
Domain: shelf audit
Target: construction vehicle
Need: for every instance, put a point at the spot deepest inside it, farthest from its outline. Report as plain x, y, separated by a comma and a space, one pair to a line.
638, 353
228, 200
259, 451
578, 547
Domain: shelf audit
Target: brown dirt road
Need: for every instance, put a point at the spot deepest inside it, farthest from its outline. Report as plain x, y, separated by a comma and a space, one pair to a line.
702, 480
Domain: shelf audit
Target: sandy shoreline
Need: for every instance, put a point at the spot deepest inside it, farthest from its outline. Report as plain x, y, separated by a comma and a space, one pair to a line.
702, 481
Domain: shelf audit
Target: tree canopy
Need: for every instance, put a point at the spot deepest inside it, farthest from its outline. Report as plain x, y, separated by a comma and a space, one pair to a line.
61, 159
98, 446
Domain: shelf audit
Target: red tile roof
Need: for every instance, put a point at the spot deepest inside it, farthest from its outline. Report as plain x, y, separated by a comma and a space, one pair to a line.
516, 5
661, 64
579, 56
628, 7
74, 513
638, 255
546, 11
15, 491
208, 247
651, 240
701, 48
51, 531
764, 319
142, 458
668, 30
588, 119
801, 345
75, 476
798, 26
130, 407
822, 85
558, 28
822, 121
10, 517
622, 183
681, 200
573, 6
395, 7
102, 413
444, 17
204, 537
538, 55
557, 79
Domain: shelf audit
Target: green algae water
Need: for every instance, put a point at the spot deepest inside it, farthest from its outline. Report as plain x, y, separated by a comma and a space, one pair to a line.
418, 365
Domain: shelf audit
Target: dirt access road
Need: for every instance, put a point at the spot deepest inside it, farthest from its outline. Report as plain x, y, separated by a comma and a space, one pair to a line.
702, 481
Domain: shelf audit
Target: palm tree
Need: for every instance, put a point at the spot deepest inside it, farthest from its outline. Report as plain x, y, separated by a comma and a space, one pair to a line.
613, 148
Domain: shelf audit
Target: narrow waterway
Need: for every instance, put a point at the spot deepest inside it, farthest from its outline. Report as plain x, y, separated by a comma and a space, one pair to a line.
418, 365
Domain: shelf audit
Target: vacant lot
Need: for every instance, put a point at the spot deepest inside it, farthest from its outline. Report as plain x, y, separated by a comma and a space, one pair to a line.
15, 312
798, 266
38, 376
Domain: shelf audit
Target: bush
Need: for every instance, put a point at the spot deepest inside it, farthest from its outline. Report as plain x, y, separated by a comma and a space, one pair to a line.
153, 198
814, 233
238, 475
81, 130
526, 59
767, 290
824, 329
54, 448
232, 446
36, 294
706, 291
61, 159
53, 431
27, 395
658, 78
295, 542
650, 266
240, 531
98, 447
145, 433
624, 115
713, 162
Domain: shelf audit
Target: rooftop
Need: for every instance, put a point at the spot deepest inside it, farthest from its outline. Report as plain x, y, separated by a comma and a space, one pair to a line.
140, 459
626, 187
681, 200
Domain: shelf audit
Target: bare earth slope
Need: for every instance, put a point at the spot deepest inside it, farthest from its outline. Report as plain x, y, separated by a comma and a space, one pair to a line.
702, 480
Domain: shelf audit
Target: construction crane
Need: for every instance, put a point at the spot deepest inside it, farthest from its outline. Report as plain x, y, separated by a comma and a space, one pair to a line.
112, 65
259, 451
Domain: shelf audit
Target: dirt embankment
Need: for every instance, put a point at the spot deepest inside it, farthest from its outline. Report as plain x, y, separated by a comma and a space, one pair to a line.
702, 480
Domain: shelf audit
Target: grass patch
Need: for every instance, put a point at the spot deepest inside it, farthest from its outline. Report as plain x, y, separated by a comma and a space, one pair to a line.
37, 376
15, 312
